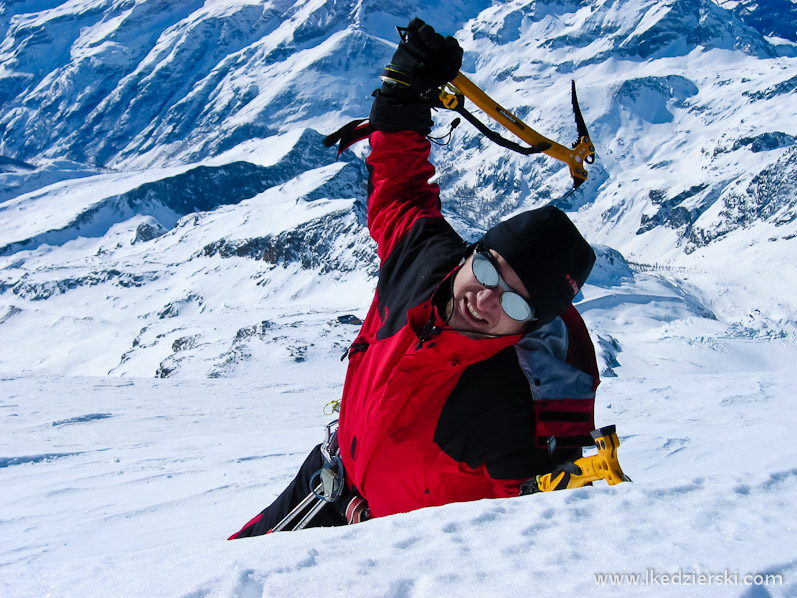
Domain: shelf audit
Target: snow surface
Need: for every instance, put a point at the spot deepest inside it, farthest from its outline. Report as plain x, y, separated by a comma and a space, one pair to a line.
116, 487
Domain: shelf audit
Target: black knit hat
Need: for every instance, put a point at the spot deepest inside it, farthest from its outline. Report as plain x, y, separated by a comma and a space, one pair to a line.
550, 256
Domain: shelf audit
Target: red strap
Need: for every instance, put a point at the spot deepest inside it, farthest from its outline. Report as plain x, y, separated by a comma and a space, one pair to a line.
349, 134
357, 510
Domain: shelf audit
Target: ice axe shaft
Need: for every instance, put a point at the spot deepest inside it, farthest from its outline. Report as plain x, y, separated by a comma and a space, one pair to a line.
575, 158
602, 466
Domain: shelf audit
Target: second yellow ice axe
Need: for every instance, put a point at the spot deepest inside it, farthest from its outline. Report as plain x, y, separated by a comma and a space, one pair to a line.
574, 474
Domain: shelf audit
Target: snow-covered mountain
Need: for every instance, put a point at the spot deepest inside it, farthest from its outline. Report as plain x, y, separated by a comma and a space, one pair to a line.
773, 18
179, 254
121, 116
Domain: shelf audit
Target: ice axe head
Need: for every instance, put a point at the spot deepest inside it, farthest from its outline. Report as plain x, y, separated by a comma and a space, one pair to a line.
606, 462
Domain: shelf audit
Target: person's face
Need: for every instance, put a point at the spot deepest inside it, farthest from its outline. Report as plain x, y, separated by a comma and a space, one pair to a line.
476, 309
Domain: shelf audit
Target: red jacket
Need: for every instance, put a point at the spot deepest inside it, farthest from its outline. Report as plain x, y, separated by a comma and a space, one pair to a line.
429, 416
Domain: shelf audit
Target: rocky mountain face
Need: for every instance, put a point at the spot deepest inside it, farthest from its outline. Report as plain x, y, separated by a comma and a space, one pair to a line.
773, 18
120, 82
155, 155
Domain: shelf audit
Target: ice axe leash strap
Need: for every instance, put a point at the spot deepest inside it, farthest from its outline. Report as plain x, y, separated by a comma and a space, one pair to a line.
349, 134
495, 137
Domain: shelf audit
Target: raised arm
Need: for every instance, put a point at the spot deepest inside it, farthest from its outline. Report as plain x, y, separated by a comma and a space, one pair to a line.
399, 189
400, 192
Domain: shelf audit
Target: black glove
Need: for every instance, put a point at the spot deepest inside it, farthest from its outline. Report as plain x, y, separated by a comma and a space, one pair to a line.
424, 61
566, 470
559, 476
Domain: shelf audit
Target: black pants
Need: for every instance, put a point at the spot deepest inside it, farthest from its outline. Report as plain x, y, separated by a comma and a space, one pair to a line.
296, 492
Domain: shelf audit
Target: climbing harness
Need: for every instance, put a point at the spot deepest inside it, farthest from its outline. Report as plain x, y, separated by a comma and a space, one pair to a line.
327, 485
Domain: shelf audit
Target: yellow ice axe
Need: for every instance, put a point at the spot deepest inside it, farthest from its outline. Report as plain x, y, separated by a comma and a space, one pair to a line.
452, 95
602, 466
582, 152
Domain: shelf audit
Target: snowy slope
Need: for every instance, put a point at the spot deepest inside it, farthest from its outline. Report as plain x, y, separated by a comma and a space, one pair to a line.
131, 490
128, 486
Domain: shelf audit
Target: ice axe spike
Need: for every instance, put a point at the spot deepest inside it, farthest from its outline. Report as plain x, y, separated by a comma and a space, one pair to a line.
602, 466
582, 152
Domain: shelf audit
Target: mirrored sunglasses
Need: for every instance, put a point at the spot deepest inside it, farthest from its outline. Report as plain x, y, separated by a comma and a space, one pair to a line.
485, 269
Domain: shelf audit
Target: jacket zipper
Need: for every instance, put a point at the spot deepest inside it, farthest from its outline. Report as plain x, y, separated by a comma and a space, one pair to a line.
429, 332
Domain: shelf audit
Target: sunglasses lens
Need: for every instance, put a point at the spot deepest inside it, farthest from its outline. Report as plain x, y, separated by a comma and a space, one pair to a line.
515, 306
484, 271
